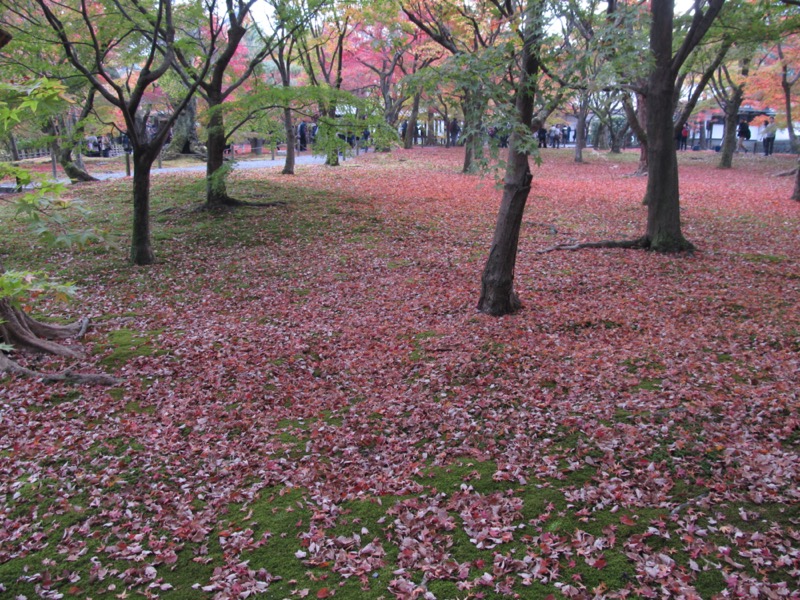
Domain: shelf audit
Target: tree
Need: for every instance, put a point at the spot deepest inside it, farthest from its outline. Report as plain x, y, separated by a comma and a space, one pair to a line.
497, 283
321, 49
474, 35
663, 216
96, 39
222, 43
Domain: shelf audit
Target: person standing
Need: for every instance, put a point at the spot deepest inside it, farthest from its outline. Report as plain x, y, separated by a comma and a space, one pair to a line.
542, 135
743, 133
454, 131
684, 136
768, 135
302, 134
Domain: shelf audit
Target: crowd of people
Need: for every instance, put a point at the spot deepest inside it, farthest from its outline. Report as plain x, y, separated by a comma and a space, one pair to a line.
555, 136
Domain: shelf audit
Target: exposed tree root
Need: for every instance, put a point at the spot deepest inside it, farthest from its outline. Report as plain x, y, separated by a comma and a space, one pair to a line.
636, 244
68, 375
787, 173
26, 333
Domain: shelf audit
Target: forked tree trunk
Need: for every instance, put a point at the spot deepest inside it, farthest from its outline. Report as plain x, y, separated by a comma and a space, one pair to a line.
497, 284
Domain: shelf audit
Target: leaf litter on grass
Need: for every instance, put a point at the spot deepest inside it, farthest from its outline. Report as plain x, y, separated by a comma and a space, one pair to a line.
320, 386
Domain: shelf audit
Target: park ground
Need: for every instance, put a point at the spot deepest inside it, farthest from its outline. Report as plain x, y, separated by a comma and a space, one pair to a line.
312, 407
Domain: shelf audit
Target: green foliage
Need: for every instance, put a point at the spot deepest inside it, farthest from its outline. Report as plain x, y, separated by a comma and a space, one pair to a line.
19, 101
42, 206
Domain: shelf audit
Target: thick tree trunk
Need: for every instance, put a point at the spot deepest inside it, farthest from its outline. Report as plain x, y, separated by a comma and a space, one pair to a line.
64, 156
141, 249
184, 134
62, 146
601, 138
24, 332
216, 190
431, 139
663, 214
288, 127
497, 284
729, 140
703, 142
617, 138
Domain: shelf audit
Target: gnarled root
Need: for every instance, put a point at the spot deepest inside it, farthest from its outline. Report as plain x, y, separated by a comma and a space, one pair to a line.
68, 375
26, 333
636, 244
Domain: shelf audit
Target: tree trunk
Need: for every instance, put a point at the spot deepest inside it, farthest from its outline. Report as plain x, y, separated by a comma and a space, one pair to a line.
703, 142
216, 190
411, 129
729, 140
24, 332
601, 138
497, 284
796, 193
786, 85
141, 250
64, 156
580, 129
288, 127
617, 138
473, 139
184, 134
663, 214
62, 146
332, 160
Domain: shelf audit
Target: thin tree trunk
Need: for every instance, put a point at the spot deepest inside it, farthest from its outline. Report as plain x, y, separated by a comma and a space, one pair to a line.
787, 83
497, 284
473, 124
332, 160
580, 129
288, 127
411, 129
796, 193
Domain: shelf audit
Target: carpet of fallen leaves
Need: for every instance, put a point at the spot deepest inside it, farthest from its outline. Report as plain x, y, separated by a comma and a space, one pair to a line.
343, 359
